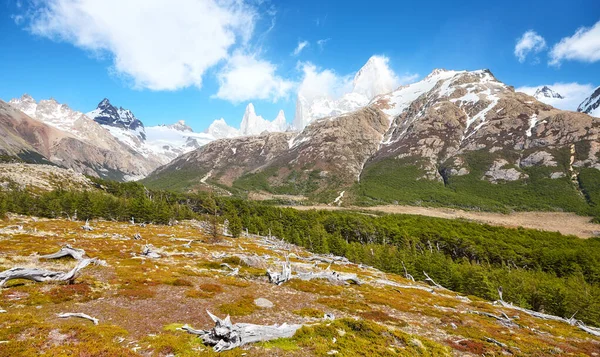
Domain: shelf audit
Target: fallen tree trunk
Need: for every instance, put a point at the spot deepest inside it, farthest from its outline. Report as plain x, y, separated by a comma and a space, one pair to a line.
226, 336
66, 251
572, 321
78, 314
41, 275
331, 276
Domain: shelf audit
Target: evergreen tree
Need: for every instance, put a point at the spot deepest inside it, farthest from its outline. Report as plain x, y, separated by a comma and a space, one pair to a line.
3, 206
235, 225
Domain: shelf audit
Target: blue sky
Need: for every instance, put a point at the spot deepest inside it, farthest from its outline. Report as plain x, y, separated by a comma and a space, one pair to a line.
197, 61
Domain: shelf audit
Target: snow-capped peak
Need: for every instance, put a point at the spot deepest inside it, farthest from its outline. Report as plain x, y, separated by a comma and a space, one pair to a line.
437, 72
26, 104
591, 105
181, 126
546, 92
253, 124
109, 115
219, 129
374, 78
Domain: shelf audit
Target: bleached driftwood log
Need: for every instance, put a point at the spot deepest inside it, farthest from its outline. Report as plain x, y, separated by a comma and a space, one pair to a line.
66, 251
403, 286
78, 314
226, 336
148, 251
331, 276
571, 321
285, 275
327, 259
87, 226
41, 275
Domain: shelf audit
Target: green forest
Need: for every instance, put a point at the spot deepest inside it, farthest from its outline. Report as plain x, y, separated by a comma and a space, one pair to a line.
543, 271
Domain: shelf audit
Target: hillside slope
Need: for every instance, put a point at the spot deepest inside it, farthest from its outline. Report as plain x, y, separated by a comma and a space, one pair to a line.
70, 139
141, 303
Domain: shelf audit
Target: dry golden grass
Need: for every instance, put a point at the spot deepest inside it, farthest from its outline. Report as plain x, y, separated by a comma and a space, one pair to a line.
134, 298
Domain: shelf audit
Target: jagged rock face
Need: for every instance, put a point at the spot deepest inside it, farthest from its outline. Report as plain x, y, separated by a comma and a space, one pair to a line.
338, 147
591, 105
107, 114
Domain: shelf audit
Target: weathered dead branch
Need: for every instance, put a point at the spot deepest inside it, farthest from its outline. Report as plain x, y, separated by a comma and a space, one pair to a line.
42, 275
78, 314
148, 252
331, 276
226, 336
504, 319
571, 321
87, 226
429, 279
66, 251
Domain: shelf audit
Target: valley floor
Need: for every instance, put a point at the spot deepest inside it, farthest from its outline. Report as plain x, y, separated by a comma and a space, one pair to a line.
563, 222
141, 302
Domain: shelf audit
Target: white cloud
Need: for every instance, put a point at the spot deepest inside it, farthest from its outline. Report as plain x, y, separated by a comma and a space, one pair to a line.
246, 77
376, 77
160, 45
583, 46
318, 83
529, 42
300, 47
573, 93
321, 43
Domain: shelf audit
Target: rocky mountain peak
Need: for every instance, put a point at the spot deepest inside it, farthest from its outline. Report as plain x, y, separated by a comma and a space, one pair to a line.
547, 92
591, 105
181, 126
436, 72
108, 114
253, 124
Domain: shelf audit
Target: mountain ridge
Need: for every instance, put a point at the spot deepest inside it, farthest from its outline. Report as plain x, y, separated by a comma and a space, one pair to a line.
460, 129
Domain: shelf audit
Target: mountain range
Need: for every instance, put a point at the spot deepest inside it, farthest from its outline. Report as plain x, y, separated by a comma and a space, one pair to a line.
450, 132
454, 138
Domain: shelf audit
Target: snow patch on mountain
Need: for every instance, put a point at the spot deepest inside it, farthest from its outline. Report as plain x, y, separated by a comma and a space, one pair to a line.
591, 104
397, 101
